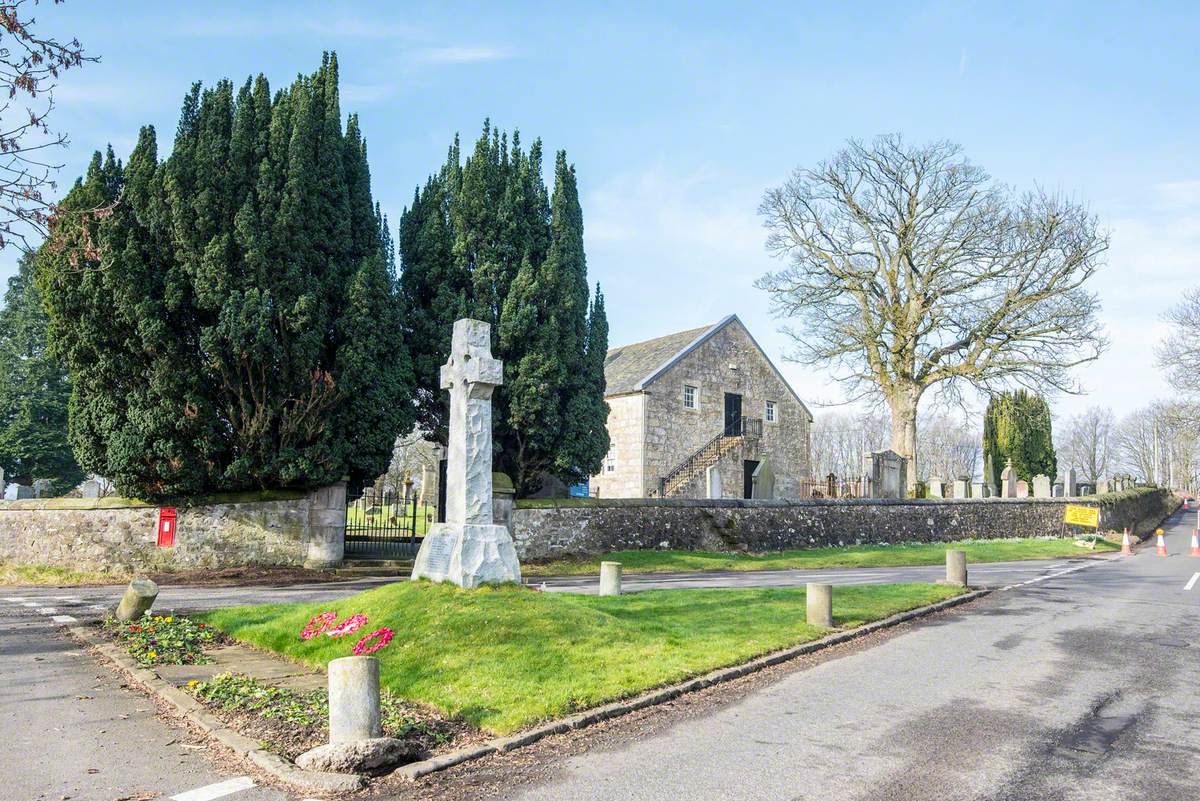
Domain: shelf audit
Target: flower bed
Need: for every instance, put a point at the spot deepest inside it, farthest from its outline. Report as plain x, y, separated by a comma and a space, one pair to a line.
164, 639
291, 722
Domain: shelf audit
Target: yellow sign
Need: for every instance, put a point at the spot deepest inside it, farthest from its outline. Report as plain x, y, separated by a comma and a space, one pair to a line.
1082, 516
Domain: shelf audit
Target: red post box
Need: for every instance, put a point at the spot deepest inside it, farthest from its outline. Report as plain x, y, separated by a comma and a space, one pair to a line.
166, 527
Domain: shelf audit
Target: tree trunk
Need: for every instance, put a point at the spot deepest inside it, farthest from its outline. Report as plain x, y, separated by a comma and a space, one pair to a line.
903, 406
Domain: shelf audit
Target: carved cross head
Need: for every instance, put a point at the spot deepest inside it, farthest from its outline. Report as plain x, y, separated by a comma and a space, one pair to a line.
471, 364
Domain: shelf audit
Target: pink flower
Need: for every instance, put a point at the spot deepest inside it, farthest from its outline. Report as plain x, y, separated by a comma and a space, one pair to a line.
381, 636
347, 626
318, 624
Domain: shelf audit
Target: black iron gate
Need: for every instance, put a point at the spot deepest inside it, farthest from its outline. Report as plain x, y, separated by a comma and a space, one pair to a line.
386, 523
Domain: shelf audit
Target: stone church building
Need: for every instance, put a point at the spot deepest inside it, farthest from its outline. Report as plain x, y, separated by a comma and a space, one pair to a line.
702, 414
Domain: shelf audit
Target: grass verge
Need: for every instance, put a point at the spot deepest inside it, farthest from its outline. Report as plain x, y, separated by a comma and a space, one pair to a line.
1007, 550
30, 575
507, 657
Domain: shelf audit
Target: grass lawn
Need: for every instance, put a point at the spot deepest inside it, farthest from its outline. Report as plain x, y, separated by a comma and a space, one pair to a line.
356, 515
15, 575
1007, 550
505, 658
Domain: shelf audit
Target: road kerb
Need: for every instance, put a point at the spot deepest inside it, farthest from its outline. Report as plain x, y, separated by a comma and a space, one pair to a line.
194, 713
415, 770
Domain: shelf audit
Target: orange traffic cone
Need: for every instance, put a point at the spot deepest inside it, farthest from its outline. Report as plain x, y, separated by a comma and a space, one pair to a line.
1195, 543
1161, 547
1125, 545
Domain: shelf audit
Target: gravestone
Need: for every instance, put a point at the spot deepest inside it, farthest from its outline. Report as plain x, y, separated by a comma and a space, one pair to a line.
42, 488
1022, 490
937, 488
1102, 486
962, 488
763, 481
1041, 486
887, 474
1008, 481
713, 482
17, 492
979, 490
1071, 486
2, 481
1059, 490
90, 488
469, 549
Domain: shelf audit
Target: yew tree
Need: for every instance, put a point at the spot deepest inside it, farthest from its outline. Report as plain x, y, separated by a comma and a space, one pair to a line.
909, 268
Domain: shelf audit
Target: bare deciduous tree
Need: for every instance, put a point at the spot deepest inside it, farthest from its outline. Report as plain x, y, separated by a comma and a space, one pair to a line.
1179, 353
30, 66
1160, 443
908, 268
950, 447
1085, 443
839, 440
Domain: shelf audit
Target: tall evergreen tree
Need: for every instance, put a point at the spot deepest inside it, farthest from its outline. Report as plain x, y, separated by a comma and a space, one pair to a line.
487, 239
256, 336
34, 391
1017, 426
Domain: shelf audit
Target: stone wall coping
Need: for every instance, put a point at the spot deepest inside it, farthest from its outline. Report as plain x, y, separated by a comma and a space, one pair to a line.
84, 504
734, 503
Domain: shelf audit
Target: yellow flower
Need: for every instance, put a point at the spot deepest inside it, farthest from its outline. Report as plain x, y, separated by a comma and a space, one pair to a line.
193, 683
169, 619
153, 654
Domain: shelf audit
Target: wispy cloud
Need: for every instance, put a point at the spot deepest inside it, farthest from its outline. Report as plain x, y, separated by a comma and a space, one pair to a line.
459, 55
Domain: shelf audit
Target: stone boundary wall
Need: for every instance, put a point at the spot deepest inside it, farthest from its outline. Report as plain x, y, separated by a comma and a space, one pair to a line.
544, 530
276, 528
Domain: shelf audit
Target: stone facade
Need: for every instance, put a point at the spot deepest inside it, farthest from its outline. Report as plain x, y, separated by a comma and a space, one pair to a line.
667, 401
279, 528
545, 530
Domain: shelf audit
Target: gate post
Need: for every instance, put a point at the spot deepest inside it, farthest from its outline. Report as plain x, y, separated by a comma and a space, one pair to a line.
326, 536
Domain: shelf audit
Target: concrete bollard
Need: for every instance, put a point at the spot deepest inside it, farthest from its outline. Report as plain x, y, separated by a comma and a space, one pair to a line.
138, 598
354, 699
610, 578
820, 605
956, 568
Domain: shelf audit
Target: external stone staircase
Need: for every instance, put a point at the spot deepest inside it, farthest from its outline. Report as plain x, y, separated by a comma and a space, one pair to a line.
698, 463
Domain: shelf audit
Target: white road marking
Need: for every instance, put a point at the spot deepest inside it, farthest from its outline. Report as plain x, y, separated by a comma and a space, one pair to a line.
1049, 576
30, 604
47, 610
101, 608
64, 619
15, 600
1191, 582
218, 790
68, 599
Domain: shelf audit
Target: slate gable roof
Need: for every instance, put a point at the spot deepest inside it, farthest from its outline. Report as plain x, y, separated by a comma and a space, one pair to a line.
630, 368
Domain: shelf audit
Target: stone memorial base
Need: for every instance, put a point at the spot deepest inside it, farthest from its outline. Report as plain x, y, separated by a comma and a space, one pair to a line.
357, 756
467, 554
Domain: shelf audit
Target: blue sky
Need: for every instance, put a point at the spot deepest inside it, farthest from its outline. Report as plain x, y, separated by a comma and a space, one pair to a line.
679, 116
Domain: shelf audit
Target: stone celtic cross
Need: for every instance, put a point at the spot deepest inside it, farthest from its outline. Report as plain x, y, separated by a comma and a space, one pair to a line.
469, 549
471, 375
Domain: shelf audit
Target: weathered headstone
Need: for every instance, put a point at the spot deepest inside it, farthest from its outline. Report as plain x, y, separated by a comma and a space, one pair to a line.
979, 490
1008, 481
17, 492
762, 480
43, 488
713, 482
90, 488
887, 474
1022, 489
469, 549
1102, 486
1071, 486
962, 488
937, 488
1059, 489
1041, 486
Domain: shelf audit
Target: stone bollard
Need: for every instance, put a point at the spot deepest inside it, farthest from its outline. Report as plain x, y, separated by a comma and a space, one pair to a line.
354, 699
820, 605
610, 578
138, 598
356, 742
956, 568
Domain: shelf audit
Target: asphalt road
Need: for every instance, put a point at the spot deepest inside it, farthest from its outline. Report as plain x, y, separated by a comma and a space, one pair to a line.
1016, 698
1080, 685
71, 730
